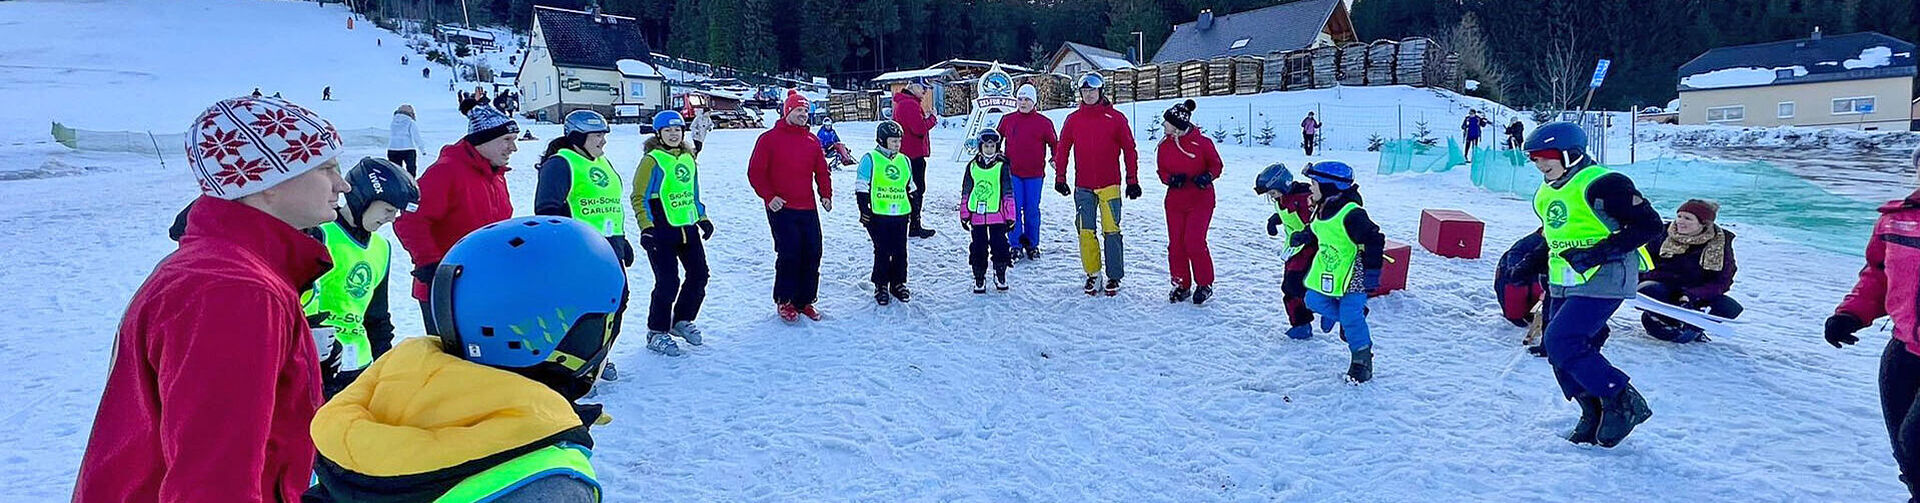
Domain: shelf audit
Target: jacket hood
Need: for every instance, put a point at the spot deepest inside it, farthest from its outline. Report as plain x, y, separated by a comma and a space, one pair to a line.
416, 411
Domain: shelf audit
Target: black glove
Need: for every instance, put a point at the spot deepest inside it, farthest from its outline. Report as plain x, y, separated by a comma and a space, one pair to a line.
1133, 191
1583, 259
706, 229
966, 224
1840, 329
1174, 181
1204, 181
625, 251
1273, 225
1300, 238
648, 241
424, 273
1062, 188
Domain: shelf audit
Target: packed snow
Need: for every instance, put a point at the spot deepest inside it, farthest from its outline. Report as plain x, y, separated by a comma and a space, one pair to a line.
1871, 57
1039, 394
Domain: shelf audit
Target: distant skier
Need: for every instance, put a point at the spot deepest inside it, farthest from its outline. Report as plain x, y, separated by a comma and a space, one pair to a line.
1188, 164
214, 378
326, 93
885, 180
577, 180
403, 140
350, 300
424, 70
1595, 224
913, 109
1097, 138
1692, 268
256, 92
1516, 132
673, 229
784, 169
986, 211
487, 410
1309, 133
1347, 263
1292, 209
1471, 127
1889, 286
1030, 138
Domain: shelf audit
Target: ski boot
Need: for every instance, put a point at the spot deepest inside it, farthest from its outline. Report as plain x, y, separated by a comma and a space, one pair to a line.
1178, 295
1032, 253
787, 312
1301, 332
1000, 279
1583, 432
1093, 284
1619, 415
900, 292
880, 295
921, 232
979, 284
1200, 295
687, 330
810, 312
659, 342
608, 373
1113, 287
1361, 370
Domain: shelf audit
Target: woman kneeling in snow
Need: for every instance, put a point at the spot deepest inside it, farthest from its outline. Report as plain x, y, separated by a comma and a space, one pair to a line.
1692, 268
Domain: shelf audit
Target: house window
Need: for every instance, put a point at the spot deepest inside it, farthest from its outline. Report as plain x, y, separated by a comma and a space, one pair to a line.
1853, 106
1240, 44
1782, 74
1785, 111
1074, 69
636, 89
1734, 113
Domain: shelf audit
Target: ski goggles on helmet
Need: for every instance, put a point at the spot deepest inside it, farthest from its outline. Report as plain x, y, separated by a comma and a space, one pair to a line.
1092, 81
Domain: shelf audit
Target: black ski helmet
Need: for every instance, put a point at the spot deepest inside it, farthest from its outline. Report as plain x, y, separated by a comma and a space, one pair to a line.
887, 129
376, 179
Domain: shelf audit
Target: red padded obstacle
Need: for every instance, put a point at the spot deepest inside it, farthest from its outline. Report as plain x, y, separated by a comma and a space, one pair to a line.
1393, 274
1451, 233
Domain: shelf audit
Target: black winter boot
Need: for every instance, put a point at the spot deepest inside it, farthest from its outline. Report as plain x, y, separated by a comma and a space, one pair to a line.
1200, 295
1583, 432
880, 294
1619, 415
900, 292
1178, 295
1361, 370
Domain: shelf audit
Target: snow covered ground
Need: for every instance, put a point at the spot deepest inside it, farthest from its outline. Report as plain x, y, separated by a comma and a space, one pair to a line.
1039, 394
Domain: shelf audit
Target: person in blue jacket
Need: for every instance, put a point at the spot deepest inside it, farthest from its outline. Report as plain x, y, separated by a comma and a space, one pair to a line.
830, 144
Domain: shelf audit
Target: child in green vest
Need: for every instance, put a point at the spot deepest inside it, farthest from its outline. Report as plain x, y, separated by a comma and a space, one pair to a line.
1292, 208
1346, 260
577, 180
347, 307
673, 229
986, 194
883, 191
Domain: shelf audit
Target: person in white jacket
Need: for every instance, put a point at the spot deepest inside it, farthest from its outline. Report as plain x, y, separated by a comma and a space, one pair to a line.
403, 144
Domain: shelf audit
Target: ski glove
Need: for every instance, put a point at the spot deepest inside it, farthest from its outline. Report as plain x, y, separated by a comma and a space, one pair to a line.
1583, 259
1300, 238
424, 273
706, 229
1133, 191
1273, 225
1370, 279
1204, 181
1840, 329
1174, 181
324, 341
966, 225
1062, 188
625, 252
648, 241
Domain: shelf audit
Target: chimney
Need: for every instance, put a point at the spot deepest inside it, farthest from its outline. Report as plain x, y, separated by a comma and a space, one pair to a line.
1206, 20
1816, 33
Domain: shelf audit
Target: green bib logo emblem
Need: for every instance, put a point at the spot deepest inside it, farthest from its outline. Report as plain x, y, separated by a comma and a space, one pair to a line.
359, 280
682, 173
893, 172
599, 177
1556, 214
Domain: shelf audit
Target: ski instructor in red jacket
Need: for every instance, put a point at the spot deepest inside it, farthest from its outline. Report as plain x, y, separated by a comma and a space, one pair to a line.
916, 120
1097, 137
784, 168
463, 190
215, 376
1887, 288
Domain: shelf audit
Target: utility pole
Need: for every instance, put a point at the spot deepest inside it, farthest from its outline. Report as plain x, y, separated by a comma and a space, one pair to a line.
1139, 47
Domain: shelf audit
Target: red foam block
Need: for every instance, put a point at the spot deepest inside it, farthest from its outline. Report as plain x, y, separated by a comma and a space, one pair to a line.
1451, 233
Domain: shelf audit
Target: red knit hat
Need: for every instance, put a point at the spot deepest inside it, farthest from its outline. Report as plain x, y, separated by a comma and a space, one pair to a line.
1702, 209
794, 100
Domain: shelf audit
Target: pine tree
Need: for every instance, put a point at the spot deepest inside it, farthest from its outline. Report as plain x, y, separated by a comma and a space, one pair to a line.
1266, 135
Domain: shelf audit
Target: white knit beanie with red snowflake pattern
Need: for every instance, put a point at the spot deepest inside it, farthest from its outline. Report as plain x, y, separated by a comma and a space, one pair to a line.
244, 145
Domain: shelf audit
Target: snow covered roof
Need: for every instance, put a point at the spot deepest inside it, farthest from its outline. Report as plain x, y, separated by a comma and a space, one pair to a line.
463, 32
1283, 27
1101, 59
957, 62
929, 73
633, 68
1864, 55
581, 40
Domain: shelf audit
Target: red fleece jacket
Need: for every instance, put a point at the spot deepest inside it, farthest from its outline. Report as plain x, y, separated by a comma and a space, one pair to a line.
1097, 137
918, 126
1028, 137
459, 193
786, 163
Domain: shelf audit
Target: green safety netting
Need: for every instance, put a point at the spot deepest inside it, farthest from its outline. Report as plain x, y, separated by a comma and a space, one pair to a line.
1409, 156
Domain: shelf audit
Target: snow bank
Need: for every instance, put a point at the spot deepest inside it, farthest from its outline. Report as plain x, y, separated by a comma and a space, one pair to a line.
1795, 137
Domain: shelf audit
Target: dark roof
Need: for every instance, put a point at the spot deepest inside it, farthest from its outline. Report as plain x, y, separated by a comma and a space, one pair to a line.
1824, 60
581, 40
1284, 27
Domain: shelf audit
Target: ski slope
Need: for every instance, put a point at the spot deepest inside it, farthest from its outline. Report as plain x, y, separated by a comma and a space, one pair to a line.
1037, 394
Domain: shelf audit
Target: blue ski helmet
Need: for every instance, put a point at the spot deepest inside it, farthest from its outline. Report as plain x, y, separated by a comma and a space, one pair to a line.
1562, 136
1335, 173
585, 122
668, 119
529, 292
1275, 177
376, 179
